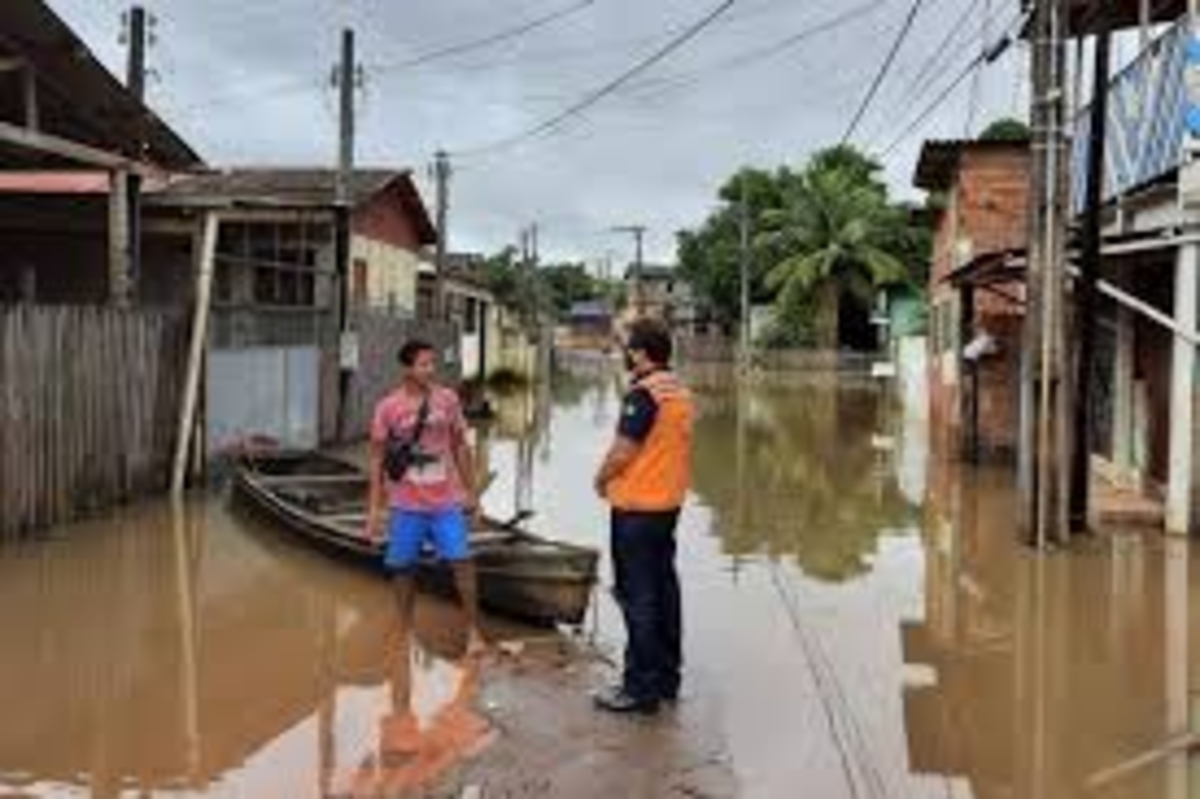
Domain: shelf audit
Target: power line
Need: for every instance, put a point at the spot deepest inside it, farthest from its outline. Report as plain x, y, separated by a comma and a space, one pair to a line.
989, 55
293, 85
865, 105
763, 53
486, 41
935, 105
977, 81
596, 96
922, 80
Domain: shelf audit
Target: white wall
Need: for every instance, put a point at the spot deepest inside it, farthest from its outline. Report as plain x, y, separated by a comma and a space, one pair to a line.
391, 274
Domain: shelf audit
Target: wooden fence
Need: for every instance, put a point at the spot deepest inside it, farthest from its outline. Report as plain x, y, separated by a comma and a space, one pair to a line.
89, 400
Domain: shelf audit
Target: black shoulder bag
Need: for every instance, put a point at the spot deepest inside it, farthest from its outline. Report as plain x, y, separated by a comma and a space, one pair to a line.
400, 454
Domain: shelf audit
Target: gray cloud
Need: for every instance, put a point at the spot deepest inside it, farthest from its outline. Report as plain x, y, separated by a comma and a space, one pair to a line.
248, 82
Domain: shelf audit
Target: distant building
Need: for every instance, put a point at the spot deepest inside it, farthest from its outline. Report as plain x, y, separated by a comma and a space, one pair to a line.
492, 337
981, 190
662, 293
588, 326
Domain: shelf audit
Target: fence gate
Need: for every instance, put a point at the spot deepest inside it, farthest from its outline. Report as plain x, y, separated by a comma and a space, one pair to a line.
271, 392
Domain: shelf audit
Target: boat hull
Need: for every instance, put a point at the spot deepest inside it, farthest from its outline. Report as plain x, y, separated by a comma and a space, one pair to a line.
520, 575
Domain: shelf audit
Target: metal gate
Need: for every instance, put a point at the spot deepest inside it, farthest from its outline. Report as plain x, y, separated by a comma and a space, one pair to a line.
268, 392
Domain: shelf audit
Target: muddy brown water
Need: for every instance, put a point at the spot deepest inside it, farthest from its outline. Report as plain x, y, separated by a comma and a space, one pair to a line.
860, 622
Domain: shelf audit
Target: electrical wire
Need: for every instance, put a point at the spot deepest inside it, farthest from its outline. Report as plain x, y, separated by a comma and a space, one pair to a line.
599, 94
927, 74
975, 63
671, 84
986, 56
293, 85
884, 68
485, 41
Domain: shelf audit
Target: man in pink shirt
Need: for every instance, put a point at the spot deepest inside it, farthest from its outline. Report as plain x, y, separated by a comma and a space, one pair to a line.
422, 476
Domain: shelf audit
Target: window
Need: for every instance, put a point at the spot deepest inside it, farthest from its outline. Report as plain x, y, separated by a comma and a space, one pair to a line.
471, 317
361, 290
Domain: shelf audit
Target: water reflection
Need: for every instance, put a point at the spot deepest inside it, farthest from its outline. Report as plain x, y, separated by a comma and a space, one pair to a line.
802, 470
885, 635
182, 651
417, 746
1050, 677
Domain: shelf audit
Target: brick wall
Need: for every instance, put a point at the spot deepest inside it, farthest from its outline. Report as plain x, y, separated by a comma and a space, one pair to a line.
385, 219
987, 211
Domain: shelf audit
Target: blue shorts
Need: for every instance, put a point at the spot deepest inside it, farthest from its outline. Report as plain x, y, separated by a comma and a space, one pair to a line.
409, 531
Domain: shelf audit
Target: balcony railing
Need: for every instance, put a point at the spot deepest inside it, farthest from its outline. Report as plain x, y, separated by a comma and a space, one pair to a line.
1147, 120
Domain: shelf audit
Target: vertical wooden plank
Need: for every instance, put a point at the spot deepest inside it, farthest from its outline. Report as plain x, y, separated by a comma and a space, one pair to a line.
75, 410
27, 354
66, 428
109, 455
7, 473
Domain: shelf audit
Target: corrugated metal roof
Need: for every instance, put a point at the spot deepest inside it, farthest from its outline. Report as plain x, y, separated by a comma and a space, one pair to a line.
293, 188
79, 99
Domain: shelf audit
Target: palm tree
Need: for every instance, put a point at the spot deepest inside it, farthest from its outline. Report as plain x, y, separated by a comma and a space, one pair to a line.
842, 238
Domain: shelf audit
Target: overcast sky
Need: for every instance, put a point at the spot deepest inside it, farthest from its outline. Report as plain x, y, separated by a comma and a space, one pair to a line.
248, 83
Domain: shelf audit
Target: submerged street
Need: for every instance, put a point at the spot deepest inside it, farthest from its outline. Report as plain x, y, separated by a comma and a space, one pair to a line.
860, 622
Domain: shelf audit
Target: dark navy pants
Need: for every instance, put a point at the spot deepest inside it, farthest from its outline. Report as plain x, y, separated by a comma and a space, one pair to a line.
643, 550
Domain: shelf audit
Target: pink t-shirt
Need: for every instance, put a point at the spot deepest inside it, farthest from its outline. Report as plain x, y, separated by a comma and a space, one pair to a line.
435, 485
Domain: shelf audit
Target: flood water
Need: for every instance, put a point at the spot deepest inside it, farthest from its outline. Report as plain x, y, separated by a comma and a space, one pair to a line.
858, 612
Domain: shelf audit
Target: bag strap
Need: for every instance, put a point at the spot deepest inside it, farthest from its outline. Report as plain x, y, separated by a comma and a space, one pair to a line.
422, 421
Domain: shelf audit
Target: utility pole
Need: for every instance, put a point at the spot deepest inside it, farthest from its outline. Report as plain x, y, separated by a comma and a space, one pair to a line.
1028, 484
136, 38
348, 78
639, 290
442, 172
126, 209
1085, 295
347, 81
1043, 456
744, 264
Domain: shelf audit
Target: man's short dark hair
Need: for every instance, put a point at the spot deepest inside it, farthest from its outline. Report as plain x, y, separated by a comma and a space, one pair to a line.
653, 338
412, 350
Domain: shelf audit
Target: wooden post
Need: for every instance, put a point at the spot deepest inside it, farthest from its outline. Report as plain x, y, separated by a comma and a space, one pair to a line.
196, 353
1085, 289
1028, 476
1183, 368
119, 250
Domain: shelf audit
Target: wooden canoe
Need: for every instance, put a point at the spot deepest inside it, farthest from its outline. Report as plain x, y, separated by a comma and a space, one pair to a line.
323, 499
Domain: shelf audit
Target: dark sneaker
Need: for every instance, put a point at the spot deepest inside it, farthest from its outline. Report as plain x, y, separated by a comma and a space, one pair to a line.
615, 700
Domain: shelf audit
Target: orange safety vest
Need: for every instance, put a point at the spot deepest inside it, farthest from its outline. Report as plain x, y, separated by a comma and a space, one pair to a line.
659, 477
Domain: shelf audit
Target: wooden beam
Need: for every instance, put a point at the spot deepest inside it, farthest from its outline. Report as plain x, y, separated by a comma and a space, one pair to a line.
191, 389
47, 144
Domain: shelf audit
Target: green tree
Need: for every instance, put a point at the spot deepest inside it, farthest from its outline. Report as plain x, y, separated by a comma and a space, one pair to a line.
1012, 130
568, 284
710, 256
841, 238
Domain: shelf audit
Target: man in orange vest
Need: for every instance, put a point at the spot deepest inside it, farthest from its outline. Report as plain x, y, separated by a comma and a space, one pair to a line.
645, 478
